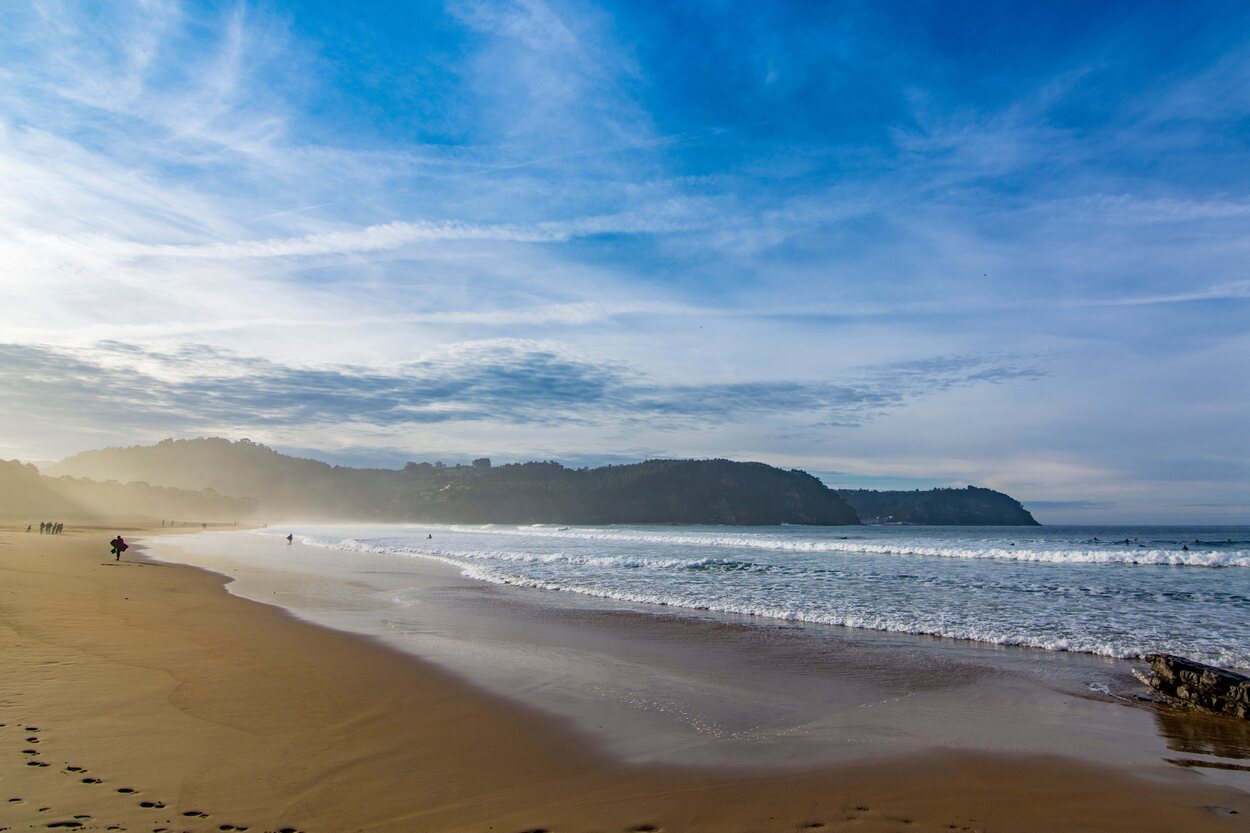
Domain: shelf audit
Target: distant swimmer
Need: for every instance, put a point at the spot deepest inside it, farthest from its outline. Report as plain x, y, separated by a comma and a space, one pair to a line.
290, 538
1185, 548
429, 537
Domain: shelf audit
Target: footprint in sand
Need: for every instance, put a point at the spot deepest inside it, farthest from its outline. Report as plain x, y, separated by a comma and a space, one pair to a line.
30, 751
92, 781
644, 828
74, 769
63, 824
228, 827
37, 763
126, 790
152, 805
199, 814
813, 825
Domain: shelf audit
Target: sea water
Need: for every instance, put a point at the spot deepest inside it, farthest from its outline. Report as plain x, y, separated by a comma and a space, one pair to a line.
780, 645
1111, 591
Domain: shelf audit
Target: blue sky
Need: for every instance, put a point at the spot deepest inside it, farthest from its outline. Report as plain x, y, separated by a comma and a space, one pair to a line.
894, 244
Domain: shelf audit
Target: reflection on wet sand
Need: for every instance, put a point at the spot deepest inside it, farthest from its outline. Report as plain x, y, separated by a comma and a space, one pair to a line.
1196, 733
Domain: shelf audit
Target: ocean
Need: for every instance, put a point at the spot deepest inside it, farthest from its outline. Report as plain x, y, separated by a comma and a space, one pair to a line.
1113, 591
775, 645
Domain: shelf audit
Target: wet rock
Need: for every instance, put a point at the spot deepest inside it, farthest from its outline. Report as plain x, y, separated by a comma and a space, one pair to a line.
1204, 686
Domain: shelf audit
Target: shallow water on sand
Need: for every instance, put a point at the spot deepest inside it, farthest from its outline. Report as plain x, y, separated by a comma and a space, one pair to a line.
703, 686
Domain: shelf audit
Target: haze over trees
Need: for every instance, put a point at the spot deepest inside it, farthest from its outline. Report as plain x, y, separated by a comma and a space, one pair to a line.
26, 494
656, 491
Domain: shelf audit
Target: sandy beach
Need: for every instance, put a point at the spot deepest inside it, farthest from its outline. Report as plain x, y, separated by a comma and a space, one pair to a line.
142, 696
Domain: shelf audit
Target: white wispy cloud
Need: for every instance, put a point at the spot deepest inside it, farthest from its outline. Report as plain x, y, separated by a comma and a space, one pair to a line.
167, 183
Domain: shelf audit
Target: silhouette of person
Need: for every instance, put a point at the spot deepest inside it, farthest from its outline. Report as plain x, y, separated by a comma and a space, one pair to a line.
119, 546
290, 538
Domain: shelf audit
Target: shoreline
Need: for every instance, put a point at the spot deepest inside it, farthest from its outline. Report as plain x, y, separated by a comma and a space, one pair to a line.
666, 685
149, 677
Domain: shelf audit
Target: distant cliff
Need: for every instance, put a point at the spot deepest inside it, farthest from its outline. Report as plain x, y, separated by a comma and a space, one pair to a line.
972, 506
657, 491
27, 495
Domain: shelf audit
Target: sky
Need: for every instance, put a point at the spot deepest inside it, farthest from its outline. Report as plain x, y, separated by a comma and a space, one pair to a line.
895, 244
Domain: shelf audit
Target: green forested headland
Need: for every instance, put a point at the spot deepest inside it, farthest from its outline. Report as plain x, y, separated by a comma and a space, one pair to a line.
655, 491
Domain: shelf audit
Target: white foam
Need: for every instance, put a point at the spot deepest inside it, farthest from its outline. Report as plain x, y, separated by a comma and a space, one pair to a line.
1057, 594
1130, 554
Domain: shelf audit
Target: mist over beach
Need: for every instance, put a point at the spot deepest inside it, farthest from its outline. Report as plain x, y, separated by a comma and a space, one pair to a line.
547, 416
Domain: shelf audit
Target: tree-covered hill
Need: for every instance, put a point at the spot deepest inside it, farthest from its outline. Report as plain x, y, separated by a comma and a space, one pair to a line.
972, 506
27, 495
657, 491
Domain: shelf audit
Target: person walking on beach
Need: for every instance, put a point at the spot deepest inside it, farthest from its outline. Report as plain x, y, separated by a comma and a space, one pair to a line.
119, 546
290, 538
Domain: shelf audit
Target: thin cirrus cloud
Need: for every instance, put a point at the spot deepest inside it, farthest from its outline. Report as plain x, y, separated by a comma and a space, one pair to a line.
801, 229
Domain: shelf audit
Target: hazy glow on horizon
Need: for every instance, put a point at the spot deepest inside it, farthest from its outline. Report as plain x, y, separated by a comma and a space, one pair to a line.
896, 245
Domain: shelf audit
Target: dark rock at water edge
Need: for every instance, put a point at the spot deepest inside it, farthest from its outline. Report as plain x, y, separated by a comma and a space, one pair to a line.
1197, 684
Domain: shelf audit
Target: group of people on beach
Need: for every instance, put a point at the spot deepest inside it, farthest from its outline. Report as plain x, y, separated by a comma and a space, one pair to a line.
49, 527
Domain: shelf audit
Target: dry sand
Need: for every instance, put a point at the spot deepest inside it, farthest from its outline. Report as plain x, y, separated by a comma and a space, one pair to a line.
140, 696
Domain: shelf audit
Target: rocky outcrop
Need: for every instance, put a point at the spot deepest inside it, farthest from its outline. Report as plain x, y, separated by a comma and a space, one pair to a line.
1196, 684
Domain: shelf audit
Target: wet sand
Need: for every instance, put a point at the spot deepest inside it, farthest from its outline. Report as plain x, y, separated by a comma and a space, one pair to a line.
140, 696
666, 685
